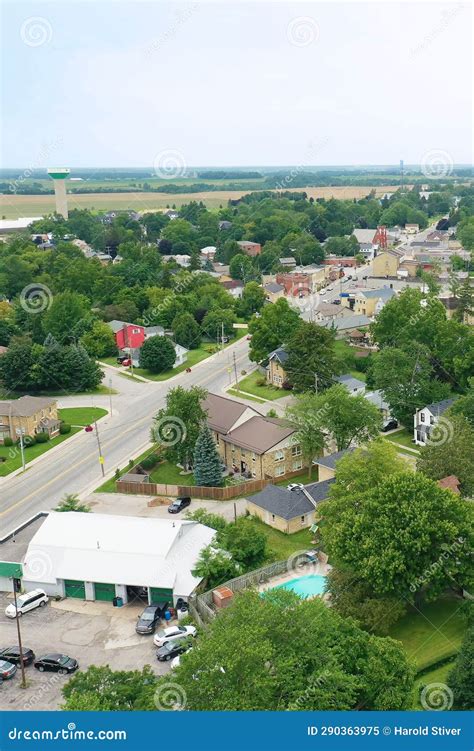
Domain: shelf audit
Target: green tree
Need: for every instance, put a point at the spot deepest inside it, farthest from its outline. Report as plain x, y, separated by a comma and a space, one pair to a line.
465, 233
245, 542
213, 321
103, 689
178, 424
312, 361
464, 405
461, 677
68, 317
209, 520
241, 267
452, 456
406, 378
67, 367
406, 537
272, 328
186, 331
18, 365
278, 652
252, 300
348, 419
207, 462
71, 502
304, 413
216, 566
157, 354
100, 340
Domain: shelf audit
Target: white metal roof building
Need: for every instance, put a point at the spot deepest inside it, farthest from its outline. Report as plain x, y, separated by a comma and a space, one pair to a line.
99, 556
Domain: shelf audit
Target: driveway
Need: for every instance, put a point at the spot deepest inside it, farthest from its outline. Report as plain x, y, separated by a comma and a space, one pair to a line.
138, 505
95, 633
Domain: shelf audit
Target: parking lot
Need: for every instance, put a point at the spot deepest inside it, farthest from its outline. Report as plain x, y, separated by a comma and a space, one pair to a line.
95, 633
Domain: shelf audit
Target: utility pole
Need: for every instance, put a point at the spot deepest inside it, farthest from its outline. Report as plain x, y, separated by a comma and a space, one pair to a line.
235, 372
22, 450
110, 395
101, 458
23, 679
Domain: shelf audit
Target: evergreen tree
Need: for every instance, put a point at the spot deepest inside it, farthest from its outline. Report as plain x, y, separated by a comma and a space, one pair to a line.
207, 462
461, 678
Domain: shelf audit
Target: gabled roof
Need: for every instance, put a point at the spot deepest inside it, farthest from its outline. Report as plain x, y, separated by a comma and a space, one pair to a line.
279, 354
223, 413
364, 235
347, 322
350, 382
330, 460
437, 408
273, 287
384, 293
118, 325
25, 406
289, 504
260, 434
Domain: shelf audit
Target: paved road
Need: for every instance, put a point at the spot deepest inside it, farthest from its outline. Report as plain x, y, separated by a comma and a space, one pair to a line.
124, 434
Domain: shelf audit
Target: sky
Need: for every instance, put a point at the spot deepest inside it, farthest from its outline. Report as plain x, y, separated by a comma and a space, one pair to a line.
117, 84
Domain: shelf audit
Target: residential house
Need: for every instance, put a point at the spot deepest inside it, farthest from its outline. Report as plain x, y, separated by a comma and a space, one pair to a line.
377, 399
412, 229
327, 464
275, 371
262, 447
224, 224
224, 415
103, 556
354, 385
427, 417
369, 302
250, 248
208, 252
289, 510
129, 338
234, 287
28, 415
287, 263
181, 259
171, 213
452, 304
274, 291
386, 262
346, 324
326, 311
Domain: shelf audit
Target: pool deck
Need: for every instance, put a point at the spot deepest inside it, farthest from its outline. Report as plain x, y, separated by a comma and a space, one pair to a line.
310, 569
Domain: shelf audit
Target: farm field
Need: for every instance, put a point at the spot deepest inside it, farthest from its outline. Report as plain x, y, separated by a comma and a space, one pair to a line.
16, 206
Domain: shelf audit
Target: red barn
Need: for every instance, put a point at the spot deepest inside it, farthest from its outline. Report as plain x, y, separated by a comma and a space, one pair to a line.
128, 335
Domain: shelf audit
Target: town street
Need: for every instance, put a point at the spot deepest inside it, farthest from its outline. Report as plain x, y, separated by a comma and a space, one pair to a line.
74, 467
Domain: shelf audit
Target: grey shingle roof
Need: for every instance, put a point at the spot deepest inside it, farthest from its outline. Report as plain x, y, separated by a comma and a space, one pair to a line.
279, 354
437, 408
291, 503
350, 382
222, 413
385, 293
274, 287
26, 406
330, 460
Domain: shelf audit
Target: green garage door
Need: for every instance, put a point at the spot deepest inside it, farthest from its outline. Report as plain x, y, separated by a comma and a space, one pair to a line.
161, 595
75, 589
105, 592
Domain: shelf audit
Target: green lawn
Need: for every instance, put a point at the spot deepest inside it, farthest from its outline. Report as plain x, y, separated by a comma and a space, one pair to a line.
433, 634
348, 362
12, 454
250, 385
438, 675
81, 415
404, 438
281, 546
194, 356
169, 474
301, 477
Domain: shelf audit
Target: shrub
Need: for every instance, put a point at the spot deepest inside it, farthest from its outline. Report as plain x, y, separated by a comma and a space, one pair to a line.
261, 381
7, 441
117, 474
149, 461
64, 428
42, 438
28, 440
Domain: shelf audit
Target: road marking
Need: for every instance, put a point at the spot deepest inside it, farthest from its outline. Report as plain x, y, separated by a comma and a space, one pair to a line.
23, 500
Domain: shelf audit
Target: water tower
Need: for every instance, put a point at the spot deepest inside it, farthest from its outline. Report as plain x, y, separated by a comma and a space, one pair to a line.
59, 175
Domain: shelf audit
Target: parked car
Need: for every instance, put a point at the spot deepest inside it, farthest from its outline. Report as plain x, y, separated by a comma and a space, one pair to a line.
336, 301
295, 486
57, 663
179, 504
150, 618
173, 649
176, 661
172, 633
29, 601
12, 654
7, 670
389, 425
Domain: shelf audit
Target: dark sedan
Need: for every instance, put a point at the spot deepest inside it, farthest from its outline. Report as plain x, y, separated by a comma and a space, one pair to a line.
173, 649
12, 654
7, 670
178, 505
57, 663
150, 618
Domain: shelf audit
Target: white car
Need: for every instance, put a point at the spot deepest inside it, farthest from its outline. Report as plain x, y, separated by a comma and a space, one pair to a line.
295, 486
176, 661
29, 601
173, 633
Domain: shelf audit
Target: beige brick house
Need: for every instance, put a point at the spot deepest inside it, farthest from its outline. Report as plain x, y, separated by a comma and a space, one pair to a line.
327, 464
276, 374
289, 510
28, 415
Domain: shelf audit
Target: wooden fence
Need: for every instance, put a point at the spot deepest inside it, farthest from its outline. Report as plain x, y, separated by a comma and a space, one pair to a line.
196, 491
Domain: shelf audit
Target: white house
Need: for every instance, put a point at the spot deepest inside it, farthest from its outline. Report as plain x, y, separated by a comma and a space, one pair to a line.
101, 556
427, 417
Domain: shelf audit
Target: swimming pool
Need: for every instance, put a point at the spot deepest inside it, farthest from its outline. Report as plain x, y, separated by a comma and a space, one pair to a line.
305, 586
